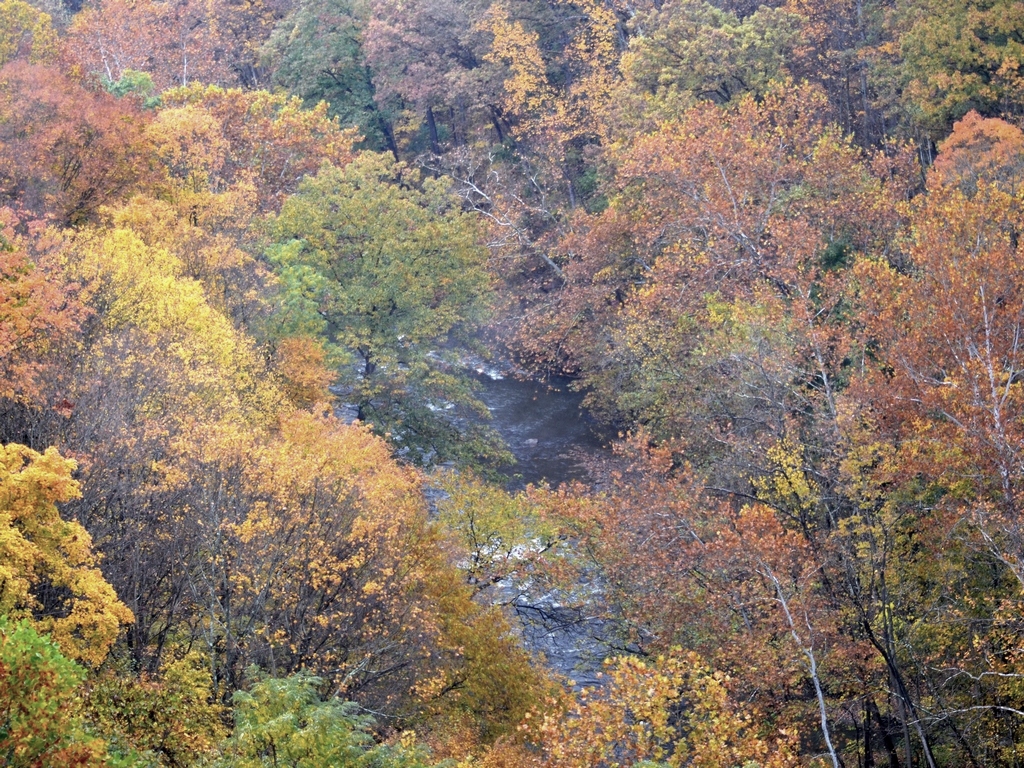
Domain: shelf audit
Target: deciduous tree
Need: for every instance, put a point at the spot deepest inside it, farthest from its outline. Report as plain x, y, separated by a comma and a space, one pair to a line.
67, 150
960, 56
670, 710
269, 140
40, 703
39, 313
391, 270
316, 52
26, 32
49, 571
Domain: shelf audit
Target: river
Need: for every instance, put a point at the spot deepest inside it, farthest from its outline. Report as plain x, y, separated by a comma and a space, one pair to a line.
551, 437
545, 428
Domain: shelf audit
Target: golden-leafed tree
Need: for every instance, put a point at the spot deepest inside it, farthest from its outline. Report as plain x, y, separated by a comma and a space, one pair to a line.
26, 32
49, 571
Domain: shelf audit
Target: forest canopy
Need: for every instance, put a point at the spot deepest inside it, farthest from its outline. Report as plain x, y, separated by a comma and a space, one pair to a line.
253, 511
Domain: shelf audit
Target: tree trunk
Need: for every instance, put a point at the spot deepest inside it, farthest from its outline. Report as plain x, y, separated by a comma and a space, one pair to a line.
887, 742
435, 144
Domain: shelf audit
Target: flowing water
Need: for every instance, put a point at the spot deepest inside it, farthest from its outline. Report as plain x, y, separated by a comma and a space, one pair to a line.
545, 428
551, 437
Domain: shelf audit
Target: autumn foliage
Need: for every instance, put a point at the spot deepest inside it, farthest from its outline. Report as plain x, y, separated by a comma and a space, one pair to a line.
250, 504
